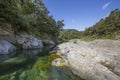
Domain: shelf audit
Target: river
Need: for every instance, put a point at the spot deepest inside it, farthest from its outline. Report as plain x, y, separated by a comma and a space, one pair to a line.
32, 65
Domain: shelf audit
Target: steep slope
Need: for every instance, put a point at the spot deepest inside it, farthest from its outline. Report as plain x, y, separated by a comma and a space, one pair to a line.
29, 16
27, 24
106, 28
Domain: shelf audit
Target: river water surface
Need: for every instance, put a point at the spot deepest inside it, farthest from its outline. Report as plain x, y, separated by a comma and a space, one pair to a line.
32, 65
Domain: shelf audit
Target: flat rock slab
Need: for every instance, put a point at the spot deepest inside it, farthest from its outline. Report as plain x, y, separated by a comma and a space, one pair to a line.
94, 60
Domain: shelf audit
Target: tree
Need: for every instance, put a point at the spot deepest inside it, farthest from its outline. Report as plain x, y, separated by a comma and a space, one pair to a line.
60, 24
28, 15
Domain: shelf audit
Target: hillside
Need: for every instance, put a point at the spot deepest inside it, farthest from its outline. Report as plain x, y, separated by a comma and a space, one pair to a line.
68, 34
107, 28
28, 16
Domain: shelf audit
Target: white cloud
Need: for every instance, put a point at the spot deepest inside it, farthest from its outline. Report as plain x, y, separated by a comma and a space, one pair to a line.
106, 5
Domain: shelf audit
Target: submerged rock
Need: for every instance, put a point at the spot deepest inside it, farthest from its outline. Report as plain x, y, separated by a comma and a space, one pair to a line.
95, 60
59, 62
29, 42
6, 47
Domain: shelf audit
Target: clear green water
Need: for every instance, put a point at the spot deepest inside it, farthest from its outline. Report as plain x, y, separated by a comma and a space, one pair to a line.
32, 65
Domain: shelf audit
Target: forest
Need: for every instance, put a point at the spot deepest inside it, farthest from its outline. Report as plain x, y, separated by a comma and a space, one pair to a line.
29, 16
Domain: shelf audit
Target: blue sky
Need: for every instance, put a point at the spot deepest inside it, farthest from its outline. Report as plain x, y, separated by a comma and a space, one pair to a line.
80, 14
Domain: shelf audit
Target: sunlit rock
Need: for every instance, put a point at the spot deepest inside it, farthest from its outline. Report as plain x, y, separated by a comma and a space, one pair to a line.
95, 60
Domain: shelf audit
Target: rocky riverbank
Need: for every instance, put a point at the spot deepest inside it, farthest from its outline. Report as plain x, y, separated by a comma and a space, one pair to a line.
23, 41
94, 60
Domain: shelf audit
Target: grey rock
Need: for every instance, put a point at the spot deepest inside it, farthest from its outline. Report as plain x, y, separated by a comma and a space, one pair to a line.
95, 60
49, 43
29, 41
6, 47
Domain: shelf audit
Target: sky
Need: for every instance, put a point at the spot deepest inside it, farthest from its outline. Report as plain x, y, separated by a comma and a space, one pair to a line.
80, 14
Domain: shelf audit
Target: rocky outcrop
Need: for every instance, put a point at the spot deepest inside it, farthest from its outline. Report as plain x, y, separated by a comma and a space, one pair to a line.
95, 60
29, 41
6, 47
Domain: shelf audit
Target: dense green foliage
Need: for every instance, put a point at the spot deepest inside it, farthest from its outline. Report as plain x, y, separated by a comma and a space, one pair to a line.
60, 24
29, 16
107, 28
68, 34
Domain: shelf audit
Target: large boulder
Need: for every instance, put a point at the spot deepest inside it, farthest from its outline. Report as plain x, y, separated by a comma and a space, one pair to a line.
29, 41
95, 60
6, 47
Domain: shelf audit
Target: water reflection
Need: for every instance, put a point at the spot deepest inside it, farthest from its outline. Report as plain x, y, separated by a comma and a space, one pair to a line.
21, 53
32, 65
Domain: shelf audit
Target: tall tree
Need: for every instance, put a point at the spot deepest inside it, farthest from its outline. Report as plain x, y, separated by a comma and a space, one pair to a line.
60, 24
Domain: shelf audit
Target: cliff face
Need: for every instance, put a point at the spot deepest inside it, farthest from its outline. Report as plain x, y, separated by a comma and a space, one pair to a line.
95, 60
